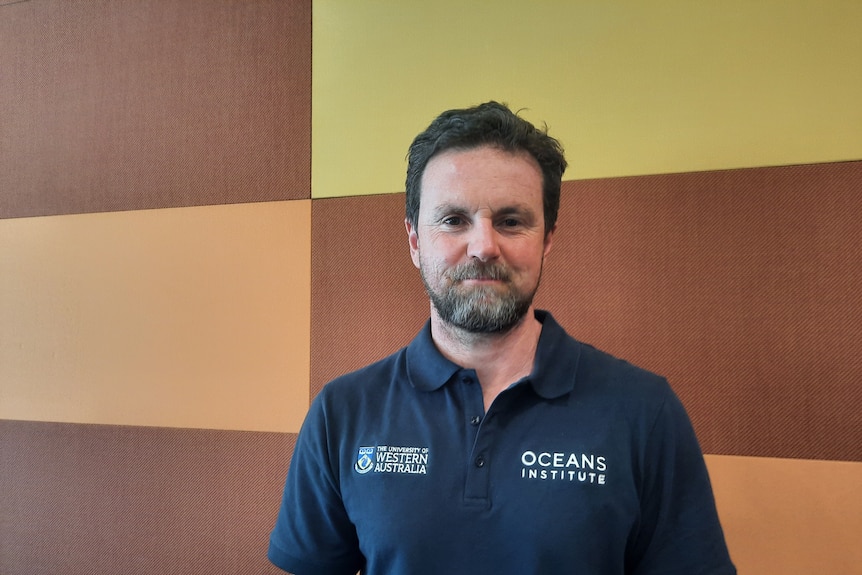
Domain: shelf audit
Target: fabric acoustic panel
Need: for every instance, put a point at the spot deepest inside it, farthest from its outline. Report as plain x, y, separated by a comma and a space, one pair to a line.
79, 499
789, 516
194, 317
83, 499
629, 88
135, 104
741, 286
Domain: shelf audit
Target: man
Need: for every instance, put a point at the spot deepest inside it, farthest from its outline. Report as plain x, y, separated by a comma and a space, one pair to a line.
494, 443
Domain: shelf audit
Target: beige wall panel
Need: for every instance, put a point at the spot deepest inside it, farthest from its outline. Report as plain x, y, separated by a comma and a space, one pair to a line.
185, 317
790, 516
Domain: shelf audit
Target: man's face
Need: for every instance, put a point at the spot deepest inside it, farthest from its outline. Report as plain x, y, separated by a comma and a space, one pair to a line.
480, 239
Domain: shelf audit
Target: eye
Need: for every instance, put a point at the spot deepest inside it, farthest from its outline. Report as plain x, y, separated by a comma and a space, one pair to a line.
510, 223
453, 221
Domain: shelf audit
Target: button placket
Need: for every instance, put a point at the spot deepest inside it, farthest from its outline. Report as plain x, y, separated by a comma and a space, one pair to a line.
478, 466
476, 459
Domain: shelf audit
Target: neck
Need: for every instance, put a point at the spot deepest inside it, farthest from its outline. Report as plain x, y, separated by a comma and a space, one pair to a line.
499, 359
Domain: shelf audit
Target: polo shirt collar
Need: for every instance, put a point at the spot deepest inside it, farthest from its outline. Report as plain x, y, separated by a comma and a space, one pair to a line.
553, 373
427, 369
557, 356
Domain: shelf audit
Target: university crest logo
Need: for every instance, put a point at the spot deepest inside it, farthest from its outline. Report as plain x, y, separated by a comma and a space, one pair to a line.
364, 460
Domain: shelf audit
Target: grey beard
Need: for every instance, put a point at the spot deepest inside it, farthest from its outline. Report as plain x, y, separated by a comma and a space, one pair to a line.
481, 310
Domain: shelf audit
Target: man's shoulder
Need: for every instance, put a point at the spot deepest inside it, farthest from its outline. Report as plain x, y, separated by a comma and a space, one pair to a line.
380, 373
558, 346
608, 373
593, 358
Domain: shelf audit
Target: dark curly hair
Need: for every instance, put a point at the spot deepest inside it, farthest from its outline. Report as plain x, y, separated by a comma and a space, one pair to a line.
488, 124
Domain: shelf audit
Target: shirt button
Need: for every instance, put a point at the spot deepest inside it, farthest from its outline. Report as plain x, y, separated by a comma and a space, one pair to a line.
480, 461
467, 379
475, 420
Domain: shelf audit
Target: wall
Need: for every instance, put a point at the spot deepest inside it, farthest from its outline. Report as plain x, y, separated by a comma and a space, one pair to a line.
179, 209
154, 281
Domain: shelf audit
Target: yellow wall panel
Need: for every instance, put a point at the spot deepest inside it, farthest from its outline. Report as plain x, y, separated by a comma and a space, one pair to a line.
789, 516
188, 317
629, 87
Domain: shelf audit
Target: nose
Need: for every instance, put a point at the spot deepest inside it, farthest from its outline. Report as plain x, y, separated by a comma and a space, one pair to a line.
483, 241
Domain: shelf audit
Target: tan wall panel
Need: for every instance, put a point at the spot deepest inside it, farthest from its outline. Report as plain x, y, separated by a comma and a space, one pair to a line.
790, 516
184, 317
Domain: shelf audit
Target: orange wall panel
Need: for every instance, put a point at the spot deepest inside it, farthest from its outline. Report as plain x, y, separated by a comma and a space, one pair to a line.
790, 516
181, 317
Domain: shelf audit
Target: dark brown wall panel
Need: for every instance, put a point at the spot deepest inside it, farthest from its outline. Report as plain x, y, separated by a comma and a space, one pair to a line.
367, 300
83, 499
130, 104
741, 286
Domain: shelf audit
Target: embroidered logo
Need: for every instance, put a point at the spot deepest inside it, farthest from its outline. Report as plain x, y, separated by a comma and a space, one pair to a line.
396, 459
364, 460
564, 466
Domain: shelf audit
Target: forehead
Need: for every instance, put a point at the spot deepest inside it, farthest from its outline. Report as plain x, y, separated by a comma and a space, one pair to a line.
481, 176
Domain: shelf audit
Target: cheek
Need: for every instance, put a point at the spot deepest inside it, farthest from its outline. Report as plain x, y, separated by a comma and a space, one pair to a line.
442, 249
432, 265
526, 257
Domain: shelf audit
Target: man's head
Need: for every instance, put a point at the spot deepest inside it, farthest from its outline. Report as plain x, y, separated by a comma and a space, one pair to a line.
494, 125
490, 191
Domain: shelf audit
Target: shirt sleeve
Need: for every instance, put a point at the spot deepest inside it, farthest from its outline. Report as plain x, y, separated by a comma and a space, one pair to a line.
313, 534
679, 531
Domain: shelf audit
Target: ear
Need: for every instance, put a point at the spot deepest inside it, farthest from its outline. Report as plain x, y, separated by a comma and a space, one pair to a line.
549, 241
413, 241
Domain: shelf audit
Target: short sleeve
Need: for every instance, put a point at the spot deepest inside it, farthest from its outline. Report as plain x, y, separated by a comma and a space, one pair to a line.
313, 533
678, 531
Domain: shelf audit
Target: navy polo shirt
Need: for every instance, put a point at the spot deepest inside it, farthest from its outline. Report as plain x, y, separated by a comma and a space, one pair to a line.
589, 465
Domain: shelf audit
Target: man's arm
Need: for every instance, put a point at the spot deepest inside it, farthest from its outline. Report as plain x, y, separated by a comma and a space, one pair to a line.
313, 534
679, 530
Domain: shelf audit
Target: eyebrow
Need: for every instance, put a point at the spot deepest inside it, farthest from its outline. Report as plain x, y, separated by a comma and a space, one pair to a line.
447, 209
506, 210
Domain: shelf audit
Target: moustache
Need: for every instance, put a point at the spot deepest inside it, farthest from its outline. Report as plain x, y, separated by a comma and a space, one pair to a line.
480, 271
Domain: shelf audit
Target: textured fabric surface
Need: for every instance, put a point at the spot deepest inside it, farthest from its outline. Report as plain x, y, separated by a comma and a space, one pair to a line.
741, 286
82, 499
366, 297
190, 317
122, 105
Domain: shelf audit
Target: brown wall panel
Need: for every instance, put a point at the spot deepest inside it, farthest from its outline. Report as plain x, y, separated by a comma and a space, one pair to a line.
741, 286
82, 499
130, 104
367, 300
